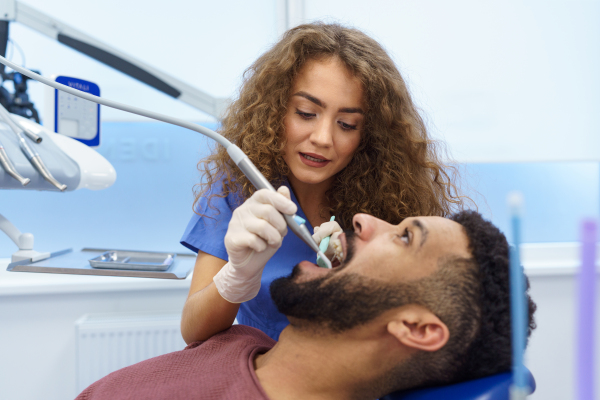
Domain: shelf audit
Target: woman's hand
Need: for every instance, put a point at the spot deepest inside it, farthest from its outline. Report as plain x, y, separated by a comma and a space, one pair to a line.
255, 232
330, 228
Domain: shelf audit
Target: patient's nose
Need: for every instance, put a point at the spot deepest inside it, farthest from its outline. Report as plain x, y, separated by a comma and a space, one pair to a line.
364, 225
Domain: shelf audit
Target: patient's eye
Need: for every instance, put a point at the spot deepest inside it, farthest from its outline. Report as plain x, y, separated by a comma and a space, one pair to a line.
406, 236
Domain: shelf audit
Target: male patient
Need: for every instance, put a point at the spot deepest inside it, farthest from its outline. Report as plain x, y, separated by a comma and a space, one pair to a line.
422, 303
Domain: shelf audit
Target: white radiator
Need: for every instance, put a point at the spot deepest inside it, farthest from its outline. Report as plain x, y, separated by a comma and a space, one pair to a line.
108, 342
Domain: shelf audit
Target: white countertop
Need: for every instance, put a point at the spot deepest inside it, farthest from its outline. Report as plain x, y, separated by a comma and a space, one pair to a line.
24, 283
539, 259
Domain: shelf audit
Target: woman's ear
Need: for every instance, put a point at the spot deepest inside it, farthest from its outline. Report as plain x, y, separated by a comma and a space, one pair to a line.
418, 328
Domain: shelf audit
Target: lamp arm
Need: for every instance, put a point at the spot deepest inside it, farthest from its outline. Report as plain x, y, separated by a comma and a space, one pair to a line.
15, 11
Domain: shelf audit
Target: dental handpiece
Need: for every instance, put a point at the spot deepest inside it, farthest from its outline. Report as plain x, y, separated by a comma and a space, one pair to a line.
10, 168
30, 134
32, 155
295, 223
36, 161
259, 181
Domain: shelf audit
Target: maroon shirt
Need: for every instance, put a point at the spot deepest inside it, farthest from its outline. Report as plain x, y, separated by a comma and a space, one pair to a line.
220, 368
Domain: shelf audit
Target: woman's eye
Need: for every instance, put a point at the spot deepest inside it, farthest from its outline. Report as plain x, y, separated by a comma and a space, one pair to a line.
347, 127
305, 115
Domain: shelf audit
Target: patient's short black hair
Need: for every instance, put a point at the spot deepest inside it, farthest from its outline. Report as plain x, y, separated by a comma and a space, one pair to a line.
490, 351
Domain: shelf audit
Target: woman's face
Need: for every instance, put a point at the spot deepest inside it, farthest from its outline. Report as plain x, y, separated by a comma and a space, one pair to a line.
323, 122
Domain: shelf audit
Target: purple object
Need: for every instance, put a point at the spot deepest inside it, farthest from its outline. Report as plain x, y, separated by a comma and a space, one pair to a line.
586, 303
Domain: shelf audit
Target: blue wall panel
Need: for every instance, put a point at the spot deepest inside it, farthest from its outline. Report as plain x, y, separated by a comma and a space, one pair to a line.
556, 196
151, 202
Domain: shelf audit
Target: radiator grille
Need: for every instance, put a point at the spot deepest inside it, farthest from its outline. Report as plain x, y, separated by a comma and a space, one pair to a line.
108, 342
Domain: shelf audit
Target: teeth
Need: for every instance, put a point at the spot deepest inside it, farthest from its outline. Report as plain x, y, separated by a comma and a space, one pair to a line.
337, 248
313, 158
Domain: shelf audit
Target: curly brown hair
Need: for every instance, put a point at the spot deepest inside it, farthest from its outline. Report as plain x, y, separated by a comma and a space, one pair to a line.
396, 171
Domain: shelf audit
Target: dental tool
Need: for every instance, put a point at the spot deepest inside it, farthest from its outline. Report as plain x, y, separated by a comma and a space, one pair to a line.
323, 247
297, 224
19, 126
30, 134
10, 168
32, 155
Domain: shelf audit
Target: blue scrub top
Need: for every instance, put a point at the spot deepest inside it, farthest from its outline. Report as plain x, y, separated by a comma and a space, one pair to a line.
207, 233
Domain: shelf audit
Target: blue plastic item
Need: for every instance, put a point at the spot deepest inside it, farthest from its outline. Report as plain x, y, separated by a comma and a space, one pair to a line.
323, 247
495, 387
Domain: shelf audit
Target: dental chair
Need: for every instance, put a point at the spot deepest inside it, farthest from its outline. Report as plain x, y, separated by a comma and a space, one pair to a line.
495, 387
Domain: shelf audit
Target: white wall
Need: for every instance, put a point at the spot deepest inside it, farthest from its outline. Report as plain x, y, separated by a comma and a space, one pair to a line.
207, 44
551, 352
500, 80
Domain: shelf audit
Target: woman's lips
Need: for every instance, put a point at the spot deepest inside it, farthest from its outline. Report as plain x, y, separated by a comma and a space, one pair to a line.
314, 160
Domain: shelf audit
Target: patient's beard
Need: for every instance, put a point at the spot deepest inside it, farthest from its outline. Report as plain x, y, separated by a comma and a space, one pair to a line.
338, 302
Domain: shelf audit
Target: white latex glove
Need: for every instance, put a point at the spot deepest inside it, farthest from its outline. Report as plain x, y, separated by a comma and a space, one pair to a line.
255, 232
331, 228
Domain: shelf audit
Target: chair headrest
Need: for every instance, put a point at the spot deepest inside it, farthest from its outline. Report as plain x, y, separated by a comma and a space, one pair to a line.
494, 387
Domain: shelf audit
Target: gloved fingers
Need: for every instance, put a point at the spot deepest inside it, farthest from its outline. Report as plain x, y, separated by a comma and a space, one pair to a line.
243, 241
326, 229
276, 199
285, 192
265, 231
268, 213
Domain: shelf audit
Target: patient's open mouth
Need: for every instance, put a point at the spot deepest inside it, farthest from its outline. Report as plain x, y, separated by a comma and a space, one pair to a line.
338, 256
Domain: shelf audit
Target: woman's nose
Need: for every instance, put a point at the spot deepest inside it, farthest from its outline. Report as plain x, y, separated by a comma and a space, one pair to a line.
322, 136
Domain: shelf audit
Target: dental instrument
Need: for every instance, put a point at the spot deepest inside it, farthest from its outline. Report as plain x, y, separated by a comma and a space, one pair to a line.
32, 155
323, 247
30, 134
10, 168
296, 223
518, 304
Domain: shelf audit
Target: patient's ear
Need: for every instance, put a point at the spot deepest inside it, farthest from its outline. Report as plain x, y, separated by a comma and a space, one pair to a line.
417, 327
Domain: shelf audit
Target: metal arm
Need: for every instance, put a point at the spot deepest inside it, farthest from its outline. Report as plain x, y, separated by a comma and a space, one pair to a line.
13, 10
237, 155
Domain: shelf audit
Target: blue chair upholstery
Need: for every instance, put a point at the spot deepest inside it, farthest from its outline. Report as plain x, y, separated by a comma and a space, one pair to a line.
494, 387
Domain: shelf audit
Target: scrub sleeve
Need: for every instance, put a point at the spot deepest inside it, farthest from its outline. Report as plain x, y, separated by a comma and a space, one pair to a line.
207, 233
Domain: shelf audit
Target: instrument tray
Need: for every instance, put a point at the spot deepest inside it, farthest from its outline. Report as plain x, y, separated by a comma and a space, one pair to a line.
133, 260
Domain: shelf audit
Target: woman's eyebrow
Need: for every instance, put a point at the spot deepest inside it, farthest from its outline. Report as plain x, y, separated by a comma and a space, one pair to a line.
310, 98
347, 110
351, 110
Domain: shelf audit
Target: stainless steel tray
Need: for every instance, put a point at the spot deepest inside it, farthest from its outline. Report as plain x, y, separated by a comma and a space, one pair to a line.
133, 260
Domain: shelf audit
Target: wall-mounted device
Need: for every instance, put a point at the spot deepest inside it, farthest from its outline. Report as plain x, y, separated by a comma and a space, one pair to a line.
71, 115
